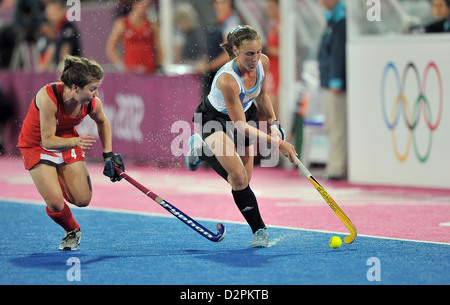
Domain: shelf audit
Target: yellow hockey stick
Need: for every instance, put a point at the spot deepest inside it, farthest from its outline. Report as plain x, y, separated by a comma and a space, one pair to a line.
331, 203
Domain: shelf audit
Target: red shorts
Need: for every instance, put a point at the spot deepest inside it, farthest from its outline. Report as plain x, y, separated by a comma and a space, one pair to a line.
34, 155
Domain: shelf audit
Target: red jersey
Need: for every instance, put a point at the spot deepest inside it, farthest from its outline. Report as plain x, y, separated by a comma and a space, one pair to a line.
139, 45
30, 134
30, 141
274, 72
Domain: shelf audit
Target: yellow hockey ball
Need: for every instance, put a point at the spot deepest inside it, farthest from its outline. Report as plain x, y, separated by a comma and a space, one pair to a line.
335, 242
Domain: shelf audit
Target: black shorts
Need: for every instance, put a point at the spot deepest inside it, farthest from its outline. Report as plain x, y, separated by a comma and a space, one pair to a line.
211, 121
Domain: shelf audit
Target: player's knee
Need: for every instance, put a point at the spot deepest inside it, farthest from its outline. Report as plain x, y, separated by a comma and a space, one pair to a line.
55, 204
82, 204
238, 178
82, 201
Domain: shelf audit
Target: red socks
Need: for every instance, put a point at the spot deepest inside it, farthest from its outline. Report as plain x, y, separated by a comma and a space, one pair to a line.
64, 218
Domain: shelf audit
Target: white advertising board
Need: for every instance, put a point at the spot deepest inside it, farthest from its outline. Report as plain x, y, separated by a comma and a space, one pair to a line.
399, 111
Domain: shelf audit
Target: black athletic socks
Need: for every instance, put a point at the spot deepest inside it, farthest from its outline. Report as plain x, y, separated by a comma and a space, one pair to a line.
246, 202
245, 199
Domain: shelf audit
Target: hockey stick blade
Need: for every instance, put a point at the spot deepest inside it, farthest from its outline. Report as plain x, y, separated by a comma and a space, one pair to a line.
193, 224
331, 203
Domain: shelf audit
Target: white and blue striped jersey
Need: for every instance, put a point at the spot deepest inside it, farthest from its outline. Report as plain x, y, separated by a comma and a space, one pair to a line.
247, 97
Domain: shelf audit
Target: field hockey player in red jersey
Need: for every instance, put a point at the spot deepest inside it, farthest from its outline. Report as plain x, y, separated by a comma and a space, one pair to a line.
52, 150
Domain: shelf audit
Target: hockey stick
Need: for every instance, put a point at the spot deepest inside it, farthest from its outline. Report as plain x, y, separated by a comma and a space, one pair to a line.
176, 212
330, 201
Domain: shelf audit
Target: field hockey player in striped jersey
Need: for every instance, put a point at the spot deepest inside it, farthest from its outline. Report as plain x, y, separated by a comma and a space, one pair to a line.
229, 124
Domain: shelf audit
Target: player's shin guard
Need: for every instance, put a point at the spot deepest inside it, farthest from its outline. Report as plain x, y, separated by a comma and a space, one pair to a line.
64, 218
246, 202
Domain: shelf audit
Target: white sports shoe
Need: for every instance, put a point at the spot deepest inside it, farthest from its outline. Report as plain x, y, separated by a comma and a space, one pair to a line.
260, 239
195, 145
71, 240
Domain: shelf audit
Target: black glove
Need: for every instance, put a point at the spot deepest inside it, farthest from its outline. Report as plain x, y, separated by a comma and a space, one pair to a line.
111, 159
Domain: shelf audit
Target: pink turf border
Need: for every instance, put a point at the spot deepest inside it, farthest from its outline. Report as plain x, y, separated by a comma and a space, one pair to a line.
384, 211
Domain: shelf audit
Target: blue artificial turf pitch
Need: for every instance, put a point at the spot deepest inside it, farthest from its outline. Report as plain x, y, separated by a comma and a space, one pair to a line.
132, 248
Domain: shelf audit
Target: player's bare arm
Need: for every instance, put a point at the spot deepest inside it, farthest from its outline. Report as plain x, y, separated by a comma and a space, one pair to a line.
47, 113
263, 99
103, 125
230, 91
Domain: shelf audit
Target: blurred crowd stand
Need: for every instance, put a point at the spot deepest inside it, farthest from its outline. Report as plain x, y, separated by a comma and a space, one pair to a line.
198, 26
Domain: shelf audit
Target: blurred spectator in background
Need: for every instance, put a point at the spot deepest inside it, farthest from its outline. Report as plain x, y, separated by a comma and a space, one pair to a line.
440, 9
123, 7
18, 38
6, 113
226, 21
142, 49
189, 48
272, 51
333, 80
7, 4
8, 40
63, 36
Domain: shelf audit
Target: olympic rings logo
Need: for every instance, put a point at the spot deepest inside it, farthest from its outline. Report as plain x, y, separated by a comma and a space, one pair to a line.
411, 118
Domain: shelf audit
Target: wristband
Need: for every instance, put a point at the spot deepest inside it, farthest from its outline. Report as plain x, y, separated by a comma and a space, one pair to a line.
279, 144
107, 155
274, 122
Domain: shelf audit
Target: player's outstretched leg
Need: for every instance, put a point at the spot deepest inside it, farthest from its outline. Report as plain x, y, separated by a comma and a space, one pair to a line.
195, 147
